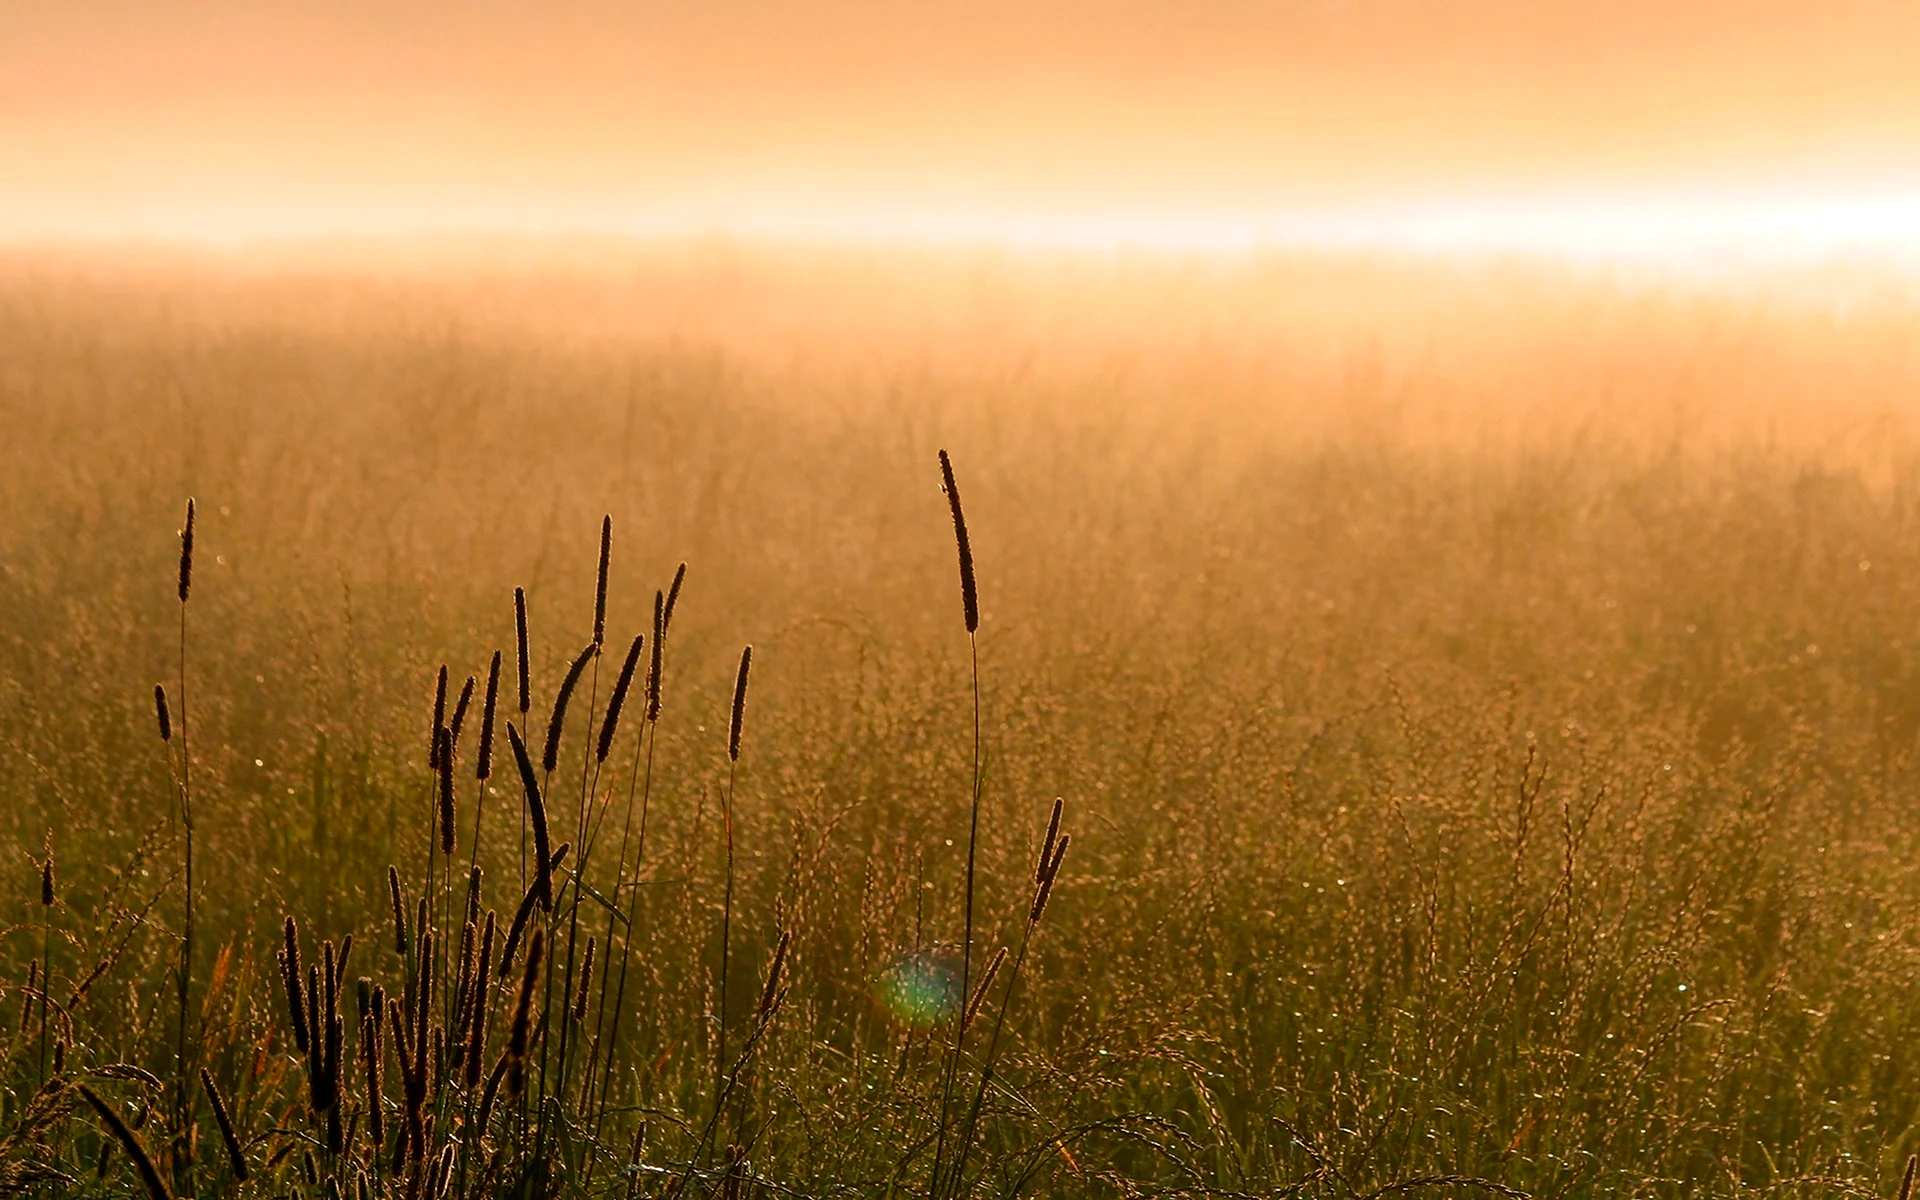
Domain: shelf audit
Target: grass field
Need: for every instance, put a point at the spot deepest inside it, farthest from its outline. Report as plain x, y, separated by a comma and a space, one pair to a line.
1485, 704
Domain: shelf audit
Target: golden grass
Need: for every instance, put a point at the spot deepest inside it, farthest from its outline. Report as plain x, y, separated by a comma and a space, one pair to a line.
1486, 708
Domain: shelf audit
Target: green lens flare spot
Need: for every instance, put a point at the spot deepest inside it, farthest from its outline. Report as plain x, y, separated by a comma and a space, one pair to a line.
921, 989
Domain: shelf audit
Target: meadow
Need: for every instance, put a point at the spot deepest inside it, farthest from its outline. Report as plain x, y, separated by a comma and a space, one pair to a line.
1483, 700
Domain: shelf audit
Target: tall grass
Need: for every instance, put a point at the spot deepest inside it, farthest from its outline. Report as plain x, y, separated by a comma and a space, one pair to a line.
1523, 811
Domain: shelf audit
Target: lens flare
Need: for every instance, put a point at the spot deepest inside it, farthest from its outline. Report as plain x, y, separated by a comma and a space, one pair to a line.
922, 988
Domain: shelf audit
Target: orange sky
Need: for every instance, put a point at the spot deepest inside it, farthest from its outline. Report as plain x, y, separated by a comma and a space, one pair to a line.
236, 118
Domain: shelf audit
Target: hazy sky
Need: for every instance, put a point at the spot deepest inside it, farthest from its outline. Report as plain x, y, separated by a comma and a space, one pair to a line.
230, 118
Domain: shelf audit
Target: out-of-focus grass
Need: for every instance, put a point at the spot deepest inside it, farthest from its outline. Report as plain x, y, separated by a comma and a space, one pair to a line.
1486, 704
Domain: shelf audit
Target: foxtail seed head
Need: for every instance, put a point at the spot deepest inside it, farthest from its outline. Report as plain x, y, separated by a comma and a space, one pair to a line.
771, 993
460, 711
520, 645
439, 719
618, 700
129, 1141
578, 1012
221, 1117
556, 725
653, 664
969, 596
483, 766
673, 596
536, 816
186, 554
980, 993
739, 705
446, 791
399, 912
600, 581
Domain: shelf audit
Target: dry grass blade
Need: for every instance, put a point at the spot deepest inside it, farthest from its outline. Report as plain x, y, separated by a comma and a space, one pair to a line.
1906, 1180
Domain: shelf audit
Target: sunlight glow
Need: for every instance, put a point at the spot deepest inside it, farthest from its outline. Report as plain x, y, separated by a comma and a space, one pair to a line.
1684, 230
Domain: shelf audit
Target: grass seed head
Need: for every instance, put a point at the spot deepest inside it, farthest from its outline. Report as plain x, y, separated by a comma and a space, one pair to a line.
969, 596
129, 1142
520, 647
739, 705
653, 664
536, 817
460, 711
600, 580
186, 554
439, 720
616, 702
483, 760
399, 912
235, 1158
556, 725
